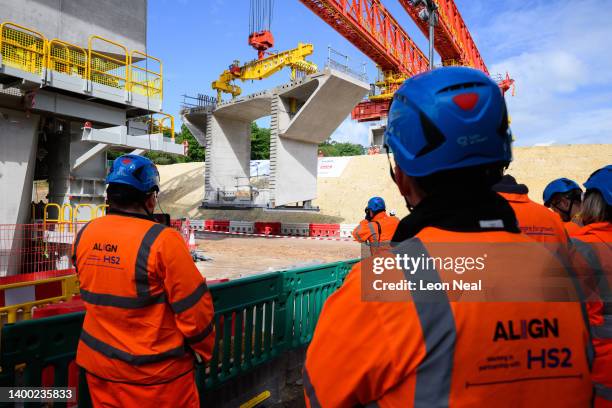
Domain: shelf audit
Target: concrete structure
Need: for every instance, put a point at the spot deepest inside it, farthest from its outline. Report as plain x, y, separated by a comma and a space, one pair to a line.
303, 114
376, 136
122, 21
43, 113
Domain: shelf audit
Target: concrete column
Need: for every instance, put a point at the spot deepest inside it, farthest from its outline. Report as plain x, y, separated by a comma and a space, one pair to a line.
228, 157
293, 163
18, 147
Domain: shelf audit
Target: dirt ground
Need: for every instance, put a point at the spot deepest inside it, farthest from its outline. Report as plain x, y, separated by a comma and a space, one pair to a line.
235, 256
342, 199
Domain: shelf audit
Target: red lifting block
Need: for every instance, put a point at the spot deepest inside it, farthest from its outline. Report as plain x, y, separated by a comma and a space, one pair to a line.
268, 228
324, 230
217, 225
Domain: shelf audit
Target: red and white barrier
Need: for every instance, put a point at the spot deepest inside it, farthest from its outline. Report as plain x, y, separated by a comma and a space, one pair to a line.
200, 234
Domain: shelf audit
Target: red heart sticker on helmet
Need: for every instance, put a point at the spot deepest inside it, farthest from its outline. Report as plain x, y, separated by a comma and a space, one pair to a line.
466, 101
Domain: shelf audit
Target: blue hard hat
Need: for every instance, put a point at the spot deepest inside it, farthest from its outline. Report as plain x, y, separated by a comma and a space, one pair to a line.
560, 185
601, 181
136, 171
448, 118
376, 204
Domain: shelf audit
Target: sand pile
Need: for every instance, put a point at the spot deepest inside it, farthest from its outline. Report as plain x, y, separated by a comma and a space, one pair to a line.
342, 199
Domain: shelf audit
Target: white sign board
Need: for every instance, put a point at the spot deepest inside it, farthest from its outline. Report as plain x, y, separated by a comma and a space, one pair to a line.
260, 168
332, 166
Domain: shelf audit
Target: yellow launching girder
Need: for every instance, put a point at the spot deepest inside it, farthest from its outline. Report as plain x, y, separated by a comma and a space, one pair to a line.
260, 69
390, 83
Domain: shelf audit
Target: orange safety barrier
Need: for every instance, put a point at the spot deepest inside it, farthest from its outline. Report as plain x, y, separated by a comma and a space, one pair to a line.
109, 68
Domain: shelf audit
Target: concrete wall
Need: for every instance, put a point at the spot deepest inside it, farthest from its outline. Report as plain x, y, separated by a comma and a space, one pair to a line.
123, 21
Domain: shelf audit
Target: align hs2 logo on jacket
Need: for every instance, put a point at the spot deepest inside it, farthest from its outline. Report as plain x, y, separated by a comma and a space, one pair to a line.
536, 329
106, 247
525, 329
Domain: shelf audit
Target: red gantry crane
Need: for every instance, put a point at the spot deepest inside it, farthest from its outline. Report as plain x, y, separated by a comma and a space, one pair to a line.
369, 26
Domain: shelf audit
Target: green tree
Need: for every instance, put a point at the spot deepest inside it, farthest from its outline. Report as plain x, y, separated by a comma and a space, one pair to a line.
332, 148
260, 142
196, 152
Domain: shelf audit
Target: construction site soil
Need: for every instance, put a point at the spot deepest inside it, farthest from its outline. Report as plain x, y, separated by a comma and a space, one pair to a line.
236, 256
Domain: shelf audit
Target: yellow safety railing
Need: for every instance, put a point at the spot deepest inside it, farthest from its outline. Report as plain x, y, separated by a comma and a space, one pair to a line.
66, 217
23, 311
163, 124
22, 48
67, 58
146, 75
46, 217
105, 68
110, 63
101, 210
77, 212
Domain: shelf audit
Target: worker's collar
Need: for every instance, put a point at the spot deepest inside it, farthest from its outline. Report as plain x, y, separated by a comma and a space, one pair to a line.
379, 216
515, 197
509, 185
114, 211
482, 211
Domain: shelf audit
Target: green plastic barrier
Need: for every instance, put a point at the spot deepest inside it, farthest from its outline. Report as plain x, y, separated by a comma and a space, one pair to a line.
256, 319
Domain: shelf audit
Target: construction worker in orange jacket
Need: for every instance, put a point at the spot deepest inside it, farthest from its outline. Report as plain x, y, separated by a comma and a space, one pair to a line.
535, 220
593, 246
149, 314
564, 196
377, 229
448, 130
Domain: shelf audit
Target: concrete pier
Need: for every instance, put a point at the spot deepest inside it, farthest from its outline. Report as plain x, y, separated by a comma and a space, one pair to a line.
303, 114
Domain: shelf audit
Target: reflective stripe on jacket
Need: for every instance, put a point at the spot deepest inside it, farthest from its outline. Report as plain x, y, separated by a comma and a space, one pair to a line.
593, 249
147, 305
378, 232
424, 353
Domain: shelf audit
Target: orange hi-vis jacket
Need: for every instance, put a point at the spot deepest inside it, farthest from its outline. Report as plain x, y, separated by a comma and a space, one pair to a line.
535, 220
379, 230
571, 227
593, 246
424, 353
148, 308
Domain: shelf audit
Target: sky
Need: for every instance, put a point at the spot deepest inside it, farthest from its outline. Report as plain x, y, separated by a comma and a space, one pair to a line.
558, 52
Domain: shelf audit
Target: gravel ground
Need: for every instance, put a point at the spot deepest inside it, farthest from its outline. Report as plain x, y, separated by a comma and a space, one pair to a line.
235, 256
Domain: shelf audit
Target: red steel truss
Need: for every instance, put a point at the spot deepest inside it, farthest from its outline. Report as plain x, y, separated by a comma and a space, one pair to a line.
370, 27
452, 39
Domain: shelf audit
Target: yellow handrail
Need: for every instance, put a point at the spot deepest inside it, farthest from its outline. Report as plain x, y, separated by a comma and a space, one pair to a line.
101, 210
63, 220
149, 85
29, 50
95, 72
24, 49
70, 61
76, 212
46, 213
